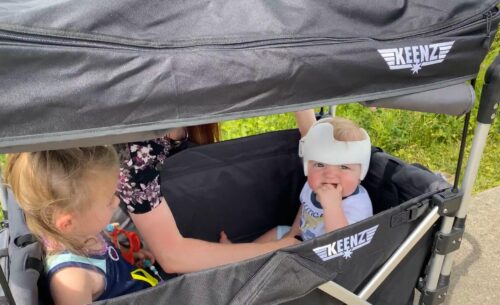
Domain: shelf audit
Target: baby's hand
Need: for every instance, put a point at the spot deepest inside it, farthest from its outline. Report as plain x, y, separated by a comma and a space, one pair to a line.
223, 239
329, 194
142, 255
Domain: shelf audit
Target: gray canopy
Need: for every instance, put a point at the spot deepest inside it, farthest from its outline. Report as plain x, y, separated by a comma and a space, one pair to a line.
88, 72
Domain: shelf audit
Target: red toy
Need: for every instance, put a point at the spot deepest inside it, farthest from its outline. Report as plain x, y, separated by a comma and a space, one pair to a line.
114, 232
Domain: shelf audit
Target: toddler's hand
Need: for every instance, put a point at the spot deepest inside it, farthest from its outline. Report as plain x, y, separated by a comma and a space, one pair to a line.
223, 239
142, 255
328, 194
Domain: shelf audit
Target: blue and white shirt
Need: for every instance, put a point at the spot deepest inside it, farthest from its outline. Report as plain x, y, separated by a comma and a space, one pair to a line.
357, 206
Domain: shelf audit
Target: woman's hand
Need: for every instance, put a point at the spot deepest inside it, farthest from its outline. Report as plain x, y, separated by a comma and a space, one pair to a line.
176, 134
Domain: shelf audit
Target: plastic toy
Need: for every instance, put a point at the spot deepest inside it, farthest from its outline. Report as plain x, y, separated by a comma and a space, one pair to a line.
114, 232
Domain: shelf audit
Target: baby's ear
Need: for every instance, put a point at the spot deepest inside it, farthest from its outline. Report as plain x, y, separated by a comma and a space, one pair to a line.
64, 222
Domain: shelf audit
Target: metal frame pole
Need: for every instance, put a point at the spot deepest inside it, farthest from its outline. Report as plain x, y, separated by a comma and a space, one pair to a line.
400, 253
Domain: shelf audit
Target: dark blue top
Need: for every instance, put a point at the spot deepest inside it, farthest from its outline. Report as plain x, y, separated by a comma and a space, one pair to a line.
116, 271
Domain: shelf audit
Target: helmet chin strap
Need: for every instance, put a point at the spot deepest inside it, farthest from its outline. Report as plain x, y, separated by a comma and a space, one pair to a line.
320, 145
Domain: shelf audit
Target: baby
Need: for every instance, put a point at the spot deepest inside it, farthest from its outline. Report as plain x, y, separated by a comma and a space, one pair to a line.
336, 155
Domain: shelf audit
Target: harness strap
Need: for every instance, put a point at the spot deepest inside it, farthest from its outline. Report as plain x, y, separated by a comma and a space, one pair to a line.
412, 213
24, 240
6, 289
34, 263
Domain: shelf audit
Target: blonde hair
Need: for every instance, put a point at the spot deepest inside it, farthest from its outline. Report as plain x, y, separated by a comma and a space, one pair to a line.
346, 130
46, 183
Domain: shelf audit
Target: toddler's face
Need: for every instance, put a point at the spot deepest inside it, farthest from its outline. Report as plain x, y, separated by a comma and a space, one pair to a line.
102, 202
347, 175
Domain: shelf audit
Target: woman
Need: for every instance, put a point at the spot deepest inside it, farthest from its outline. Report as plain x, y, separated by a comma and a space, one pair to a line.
139, 190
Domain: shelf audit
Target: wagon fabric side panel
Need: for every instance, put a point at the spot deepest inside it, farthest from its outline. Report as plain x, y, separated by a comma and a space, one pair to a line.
292, 273
244, 186
218, 181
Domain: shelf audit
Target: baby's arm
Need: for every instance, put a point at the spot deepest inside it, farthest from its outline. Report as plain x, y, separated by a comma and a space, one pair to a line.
305, 119
295, 230
330, 198
73, 286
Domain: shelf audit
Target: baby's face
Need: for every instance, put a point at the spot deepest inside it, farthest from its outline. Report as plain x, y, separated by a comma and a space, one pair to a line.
347, 175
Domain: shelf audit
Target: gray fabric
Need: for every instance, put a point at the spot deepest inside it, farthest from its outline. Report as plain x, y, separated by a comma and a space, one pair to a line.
136, 66
22, 282
4, 260
453, 100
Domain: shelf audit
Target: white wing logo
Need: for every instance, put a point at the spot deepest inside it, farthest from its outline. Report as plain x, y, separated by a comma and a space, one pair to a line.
347, 245
416, 57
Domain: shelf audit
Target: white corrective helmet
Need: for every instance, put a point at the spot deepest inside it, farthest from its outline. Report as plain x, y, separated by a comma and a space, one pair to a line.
320, 145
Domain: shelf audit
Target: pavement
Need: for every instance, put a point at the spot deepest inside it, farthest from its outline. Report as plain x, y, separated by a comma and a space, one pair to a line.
475, 276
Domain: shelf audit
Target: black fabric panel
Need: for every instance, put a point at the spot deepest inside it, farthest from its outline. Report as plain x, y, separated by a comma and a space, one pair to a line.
244, 187
398, 288
65, 78
178, 22
390, 181
22, 281
237, 186
290, 273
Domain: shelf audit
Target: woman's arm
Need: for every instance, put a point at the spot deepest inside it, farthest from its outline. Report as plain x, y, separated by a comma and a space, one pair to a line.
177, 254
305, 119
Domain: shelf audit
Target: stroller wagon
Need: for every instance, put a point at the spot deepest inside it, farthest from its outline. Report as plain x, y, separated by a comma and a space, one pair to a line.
76, 73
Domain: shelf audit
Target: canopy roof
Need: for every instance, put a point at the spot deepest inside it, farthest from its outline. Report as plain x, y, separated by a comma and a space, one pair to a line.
87, 72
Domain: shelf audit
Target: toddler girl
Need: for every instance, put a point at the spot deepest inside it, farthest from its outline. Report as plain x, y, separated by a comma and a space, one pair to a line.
68, 197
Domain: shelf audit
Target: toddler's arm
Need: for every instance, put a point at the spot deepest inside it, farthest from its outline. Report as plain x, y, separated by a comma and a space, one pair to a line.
73, 286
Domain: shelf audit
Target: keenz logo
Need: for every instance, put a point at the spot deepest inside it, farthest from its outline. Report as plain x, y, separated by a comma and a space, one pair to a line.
347, 245
416, 57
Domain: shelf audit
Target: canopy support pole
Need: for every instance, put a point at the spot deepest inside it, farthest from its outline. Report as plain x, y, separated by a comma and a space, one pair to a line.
440, 269
400, 253
347, 297
342, 294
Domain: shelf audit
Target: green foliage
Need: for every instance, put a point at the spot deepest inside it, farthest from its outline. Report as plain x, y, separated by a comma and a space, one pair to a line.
252, 126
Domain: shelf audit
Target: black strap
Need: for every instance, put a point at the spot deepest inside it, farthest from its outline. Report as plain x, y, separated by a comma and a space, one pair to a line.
412, 213
24, 240
6, 289
34, 263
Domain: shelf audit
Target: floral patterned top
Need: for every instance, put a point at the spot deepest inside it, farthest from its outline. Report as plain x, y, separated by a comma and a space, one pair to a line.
139, 182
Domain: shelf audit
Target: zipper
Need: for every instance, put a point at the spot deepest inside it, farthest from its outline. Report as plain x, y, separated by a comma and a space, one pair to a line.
477, 18
230, 44
489, 19
92, 41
